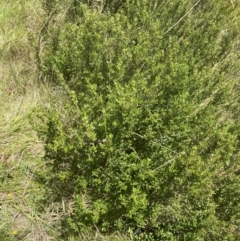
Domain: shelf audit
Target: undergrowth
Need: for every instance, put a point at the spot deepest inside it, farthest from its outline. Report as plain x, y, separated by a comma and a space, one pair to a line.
32, 204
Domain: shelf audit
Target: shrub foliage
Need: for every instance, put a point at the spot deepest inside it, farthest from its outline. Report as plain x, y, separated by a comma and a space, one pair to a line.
144, 141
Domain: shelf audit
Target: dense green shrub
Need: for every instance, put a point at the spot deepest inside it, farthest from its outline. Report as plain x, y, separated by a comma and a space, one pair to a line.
140, 143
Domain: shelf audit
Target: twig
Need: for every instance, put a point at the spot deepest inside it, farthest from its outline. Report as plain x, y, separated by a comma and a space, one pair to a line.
166, 163
182, 17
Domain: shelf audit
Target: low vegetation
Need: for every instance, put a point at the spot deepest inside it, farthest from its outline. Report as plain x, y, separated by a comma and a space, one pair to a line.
119, 120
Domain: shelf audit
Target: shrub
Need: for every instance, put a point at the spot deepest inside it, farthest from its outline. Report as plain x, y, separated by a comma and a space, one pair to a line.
139, 143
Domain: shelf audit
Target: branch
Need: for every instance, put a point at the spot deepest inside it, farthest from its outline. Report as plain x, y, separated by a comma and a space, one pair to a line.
166, 163
182, 17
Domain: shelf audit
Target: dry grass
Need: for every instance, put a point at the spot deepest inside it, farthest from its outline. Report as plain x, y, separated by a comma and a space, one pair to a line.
20, 148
